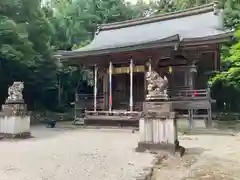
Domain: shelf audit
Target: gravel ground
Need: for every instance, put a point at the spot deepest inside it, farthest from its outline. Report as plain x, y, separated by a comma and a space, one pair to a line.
208, 157
73, 154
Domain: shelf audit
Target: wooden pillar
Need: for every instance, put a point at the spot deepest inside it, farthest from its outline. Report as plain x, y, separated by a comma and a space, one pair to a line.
110, 86
149, 65
209, 110
190, 111
59, 90
217, 59
105, 90
186, 75
192, 71
131, 86
190, 118
95, 87
190, 80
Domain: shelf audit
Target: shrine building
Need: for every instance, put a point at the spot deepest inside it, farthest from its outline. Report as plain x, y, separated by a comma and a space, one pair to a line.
184, 46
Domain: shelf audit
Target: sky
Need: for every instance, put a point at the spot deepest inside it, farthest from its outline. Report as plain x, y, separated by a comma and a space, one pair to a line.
134, 1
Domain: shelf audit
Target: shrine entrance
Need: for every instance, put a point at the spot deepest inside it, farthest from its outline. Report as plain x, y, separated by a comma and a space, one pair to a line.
121, 91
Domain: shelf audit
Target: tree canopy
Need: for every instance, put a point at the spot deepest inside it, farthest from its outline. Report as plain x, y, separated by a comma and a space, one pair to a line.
25, 51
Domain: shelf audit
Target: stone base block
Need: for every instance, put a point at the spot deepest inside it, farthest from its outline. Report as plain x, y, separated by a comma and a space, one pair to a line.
14, 126
142, 146
23, 135
14, 109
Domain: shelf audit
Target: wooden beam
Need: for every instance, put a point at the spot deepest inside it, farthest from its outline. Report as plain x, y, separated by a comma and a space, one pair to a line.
126, 70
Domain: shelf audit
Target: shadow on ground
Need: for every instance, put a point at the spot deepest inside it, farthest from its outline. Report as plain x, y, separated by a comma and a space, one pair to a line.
211, 169
195, 151
40, 131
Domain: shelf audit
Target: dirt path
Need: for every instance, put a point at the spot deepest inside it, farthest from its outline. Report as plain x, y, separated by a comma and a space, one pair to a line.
208, 157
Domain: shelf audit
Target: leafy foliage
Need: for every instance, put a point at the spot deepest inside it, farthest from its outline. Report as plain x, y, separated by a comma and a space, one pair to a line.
226, 85
25, 51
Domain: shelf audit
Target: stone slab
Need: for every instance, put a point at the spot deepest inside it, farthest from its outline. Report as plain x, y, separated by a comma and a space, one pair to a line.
143, 146
22, 135
14, 125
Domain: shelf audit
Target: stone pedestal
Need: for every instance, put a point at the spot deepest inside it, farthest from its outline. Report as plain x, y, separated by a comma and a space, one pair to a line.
14, 121
158, 128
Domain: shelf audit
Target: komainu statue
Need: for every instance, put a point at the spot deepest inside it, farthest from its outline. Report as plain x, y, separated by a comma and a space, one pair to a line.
156, 86
15, 92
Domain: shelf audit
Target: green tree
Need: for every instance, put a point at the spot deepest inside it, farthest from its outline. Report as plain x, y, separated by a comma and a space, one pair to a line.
232, 15
226, 85
25, 51
16, 51
75, 23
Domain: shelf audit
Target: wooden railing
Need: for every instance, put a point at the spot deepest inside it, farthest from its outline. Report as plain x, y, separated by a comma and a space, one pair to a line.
137, 105
113, 115
86, 101
188, 94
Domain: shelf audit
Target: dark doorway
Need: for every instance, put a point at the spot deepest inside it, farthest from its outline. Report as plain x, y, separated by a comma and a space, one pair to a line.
121, 91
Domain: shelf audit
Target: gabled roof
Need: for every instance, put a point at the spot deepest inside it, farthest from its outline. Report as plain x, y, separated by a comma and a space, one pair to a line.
199, 23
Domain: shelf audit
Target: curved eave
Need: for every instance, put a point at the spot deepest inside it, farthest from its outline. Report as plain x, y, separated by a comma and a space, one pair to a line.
171, 41
214, 39
167, 42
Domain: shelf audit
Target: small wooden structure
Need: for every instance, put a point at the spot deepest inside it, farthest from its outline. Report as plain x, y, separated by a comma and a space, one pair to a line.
182, 45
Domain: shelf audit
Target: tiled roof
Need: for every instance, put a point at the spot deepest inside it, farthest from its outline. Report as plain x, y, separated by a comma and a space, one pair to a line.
195, 23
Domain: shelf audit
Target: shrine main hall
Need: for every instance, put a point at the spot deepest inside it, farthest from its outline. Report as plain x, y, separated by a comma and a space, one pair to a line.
184, 46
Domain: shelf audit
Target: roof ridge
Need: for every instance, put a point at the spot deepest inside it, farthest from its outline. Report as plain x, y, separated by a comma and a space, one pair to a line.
177, 14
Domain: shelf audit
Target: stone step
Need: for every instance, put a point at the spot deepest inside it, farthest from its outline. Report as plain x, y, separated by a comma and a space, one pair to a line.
210, 132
